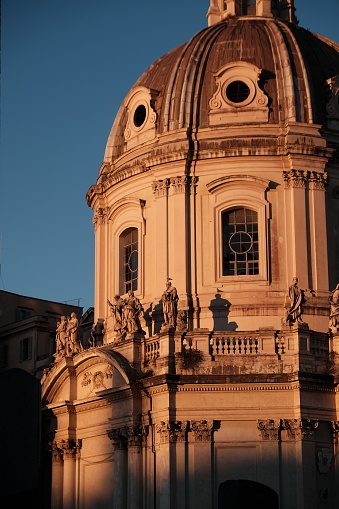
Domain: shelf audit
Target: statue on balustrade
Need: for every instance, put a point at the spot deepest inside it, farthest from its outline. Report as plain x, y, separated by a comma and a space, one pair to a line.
67, 337
297, 299
170, 305
334, 312
126, 314
97, 333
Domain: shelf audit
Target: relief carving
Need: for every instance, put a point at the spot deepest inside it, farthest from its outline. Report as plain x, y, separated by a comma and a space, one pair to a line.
96, 380
269, 429
299, 428
299, 178
128, 436
160, 187
202, 430
172, 431
65, 449
100, 216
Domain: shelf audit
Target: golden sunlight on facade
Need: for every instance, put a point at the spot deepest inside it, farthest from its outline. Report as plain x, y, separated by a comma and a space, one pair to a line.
211, 379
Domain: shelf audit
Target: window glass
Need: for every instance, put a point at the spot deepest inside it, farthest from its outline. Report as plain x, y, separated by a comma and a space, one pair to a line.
129, 254
240, 249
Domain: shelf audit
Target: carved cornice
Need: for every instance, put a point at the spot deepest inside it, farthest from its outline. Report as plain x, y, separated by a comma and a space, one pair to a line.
269, 429
302, 429
202, 430
299, 178
65, 449
172, 431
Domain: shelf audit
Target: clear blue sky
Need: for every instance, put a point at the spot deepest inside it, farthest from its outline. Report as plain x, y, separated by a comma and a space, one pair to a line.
66, 67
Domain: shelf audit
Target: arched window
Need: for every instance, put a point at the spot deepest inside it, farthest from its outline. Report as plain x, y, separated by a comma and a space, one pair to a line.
240, 242
129, 260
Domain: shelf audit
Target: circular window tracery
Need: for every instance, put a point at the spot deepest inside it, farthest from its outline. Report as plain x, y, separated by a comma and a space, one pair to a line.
133, 261
240, 242
237, 91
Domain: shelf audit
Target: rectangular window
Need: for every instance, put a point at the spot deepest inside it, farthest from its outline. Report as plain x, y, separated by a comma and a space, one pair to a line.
4, 356
25, 349
129, 244
240, 240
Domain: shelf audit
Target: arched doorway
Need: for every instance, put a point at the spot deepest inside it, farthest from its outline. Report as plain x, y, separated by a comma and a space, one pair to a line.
244, 494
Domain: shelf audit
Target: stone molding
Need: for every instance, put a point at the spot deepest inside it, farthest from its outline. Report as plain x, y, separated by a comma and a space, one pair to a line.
65, 449
299, 178
128, 436
269, 429
302, 429
172, 431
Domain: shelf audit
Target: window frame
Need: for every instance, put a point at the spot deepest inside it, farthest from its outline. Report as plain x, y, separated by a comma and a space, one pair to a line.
240, 191
122, 262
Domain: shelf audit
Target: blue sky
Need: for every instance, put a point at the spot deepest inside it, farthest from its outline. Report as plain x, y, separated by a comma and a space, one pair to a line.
66, 67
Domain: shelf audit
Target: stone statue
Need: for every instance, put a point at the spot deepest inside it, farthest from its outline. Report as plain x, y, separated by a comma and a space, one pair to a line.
132, 311
334, 302
61, 338
297, 299
117, 313
170, 304
73, 344
182, 320
97, 333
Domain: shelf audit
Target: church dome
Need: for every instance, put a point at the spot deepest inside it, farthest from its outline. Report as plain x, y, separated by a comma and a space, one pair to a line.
240, 70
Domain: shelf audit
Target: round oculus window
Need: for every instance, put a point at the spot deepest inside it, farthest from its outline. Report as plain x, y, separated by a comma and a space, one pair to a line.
240, 242
139, 115
237, 92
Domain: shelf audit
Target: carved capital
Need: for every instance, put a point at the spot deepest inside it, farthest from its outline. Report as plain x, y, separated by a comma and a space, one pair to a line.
302, 429
172, 431
202, 430
128, 436
100, 216
269, 429
66, 449
160, 187
335, 431
299, 178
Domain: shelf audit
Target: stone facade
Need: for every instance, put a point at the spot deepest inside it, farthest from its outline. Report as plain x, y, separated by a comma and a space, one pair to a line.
215, 216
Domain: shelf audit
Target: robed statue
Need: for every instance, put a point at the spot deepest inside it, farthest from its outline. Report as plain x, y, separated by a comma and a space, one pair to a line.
297, 299
334, 302
170, 304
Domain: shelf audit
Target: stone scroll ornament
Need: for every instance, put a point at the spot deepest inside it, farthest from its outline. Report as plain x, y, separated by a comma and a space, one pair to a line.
126, 314
67, 337
297, 299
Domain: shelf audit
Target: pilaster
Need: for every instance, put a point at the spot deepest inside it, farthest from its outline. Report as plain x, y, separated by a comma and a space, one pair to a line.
201, 471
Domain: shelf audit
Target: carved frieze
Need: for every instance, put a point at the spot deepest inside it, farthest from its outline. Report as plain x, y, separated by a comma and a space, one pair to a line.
172, 431
299, 178
299, 428
202, 430
269, 429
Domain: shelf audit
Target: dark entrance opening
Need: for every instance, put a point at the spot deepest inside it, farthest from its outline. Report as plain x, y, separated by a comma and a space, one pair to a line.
243, 494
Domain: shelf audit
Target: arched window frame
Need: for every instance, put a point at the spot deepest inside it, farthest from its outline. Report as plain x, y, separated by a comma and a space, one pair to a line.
240, 191
127, 213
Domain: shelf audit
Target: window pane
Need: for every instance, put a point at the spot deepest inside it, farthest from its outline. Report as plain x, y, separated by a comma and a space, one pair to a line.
240, 242
129, 254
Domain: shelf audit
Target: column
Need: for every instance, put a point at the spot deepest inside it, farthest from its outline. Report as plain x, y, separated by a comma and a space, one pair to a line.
203, 468
71, 452
299, 471
170, 465
270, 468
57, 476
119, 439
134, 480
101, 263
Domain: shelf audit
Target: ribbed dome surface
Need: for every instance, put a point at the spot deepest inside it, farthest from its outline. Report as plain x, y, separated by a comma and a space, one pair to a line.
295, 65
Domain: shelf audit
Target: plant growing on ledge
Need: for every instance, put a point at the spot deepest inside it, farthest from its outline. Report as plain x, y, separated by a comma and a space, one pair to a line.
190, 359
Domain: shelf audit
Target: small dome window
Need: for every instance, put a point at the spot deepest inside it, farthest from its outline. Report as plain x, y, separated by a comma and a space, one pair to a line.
139, 115
237, 91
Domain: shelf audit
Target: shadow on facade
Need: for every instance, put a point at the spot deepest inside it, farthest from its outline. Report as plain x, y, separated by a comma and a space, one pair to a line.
242, 494
220, 309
